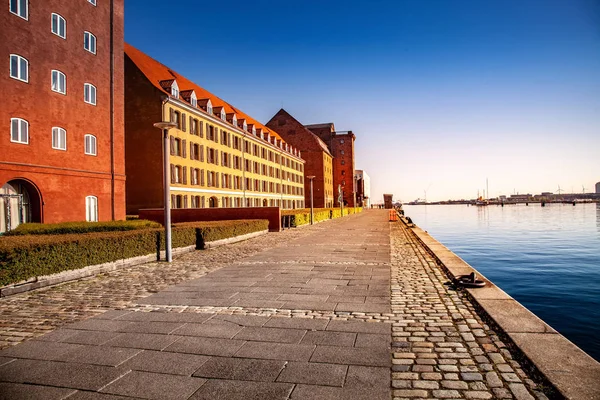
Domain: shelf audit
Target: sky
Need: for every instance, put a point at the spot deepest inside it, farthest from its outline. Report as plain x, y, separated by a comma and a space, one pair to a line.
441, 94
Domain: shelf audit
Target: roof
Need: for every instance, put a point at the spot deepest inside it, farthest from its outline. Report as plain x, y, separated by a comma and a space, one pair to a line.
315, 139
162, 78
325, 125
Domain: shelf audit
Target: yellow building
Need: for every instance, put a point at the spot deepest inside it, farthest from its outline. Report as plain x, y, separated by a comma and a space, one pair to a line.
220, 157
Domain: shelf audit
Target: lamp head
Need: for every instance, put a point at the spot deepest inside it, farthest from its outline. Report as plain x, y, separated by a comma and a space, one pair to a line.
165, 125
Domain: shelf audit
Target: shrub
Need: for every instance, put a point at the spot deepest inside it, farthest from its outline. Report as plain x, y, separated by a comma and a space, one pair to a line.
302, 216
81, 227
27, 256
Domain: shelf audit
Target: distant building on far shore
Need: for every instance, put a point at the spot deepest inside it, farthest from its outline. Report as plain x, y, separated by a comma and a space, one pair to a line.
363, 188
597, 187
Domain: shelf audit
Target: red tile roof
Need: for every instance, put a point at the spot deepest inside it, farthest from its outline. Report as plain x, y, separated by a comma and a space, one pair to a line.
162, 77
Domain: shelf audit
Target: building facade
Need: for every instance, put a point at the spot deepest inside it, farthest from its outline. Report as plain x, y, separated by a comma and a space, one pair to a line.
341, 146
62, 146
319, 161
363, 188
219, 156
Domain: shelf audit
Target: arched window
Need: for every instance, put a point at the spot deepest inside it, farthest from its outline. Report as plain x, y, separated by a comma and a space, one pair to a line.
213, 202
59, 138
90, 145
89, 42
19, 131
91, 209
59, 26
59, 82
19, 68
89, 93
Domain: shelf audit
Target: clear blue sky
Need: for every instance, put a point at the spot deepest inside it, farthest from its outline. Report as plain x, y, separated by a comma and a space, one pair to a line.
441, 94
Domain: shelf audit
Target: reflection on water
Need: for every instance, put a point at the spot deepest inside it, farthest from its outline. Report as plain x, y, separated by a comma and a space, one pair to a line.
547, 258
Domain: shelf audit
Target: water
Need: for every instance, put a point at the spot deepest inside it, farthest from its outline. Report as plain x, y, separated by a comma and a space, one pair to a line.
547, 258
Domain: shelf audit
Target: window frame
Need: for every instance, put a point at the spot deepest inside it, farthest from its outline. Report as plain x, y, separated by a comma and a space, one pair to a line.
92, 2
19, 131
58, 74
18, 12
89, 85
19, 60
91, 215
59, 130
95, 145
59, 18
91, 35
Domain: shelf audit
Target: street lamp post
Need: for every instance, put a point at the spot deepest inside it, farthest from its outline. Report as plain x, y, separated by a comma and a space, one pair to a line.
311, 177
165, 126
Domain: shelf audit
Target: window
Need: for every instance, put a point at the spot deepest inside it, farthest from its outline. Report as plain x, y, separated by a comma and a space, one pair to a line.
175, 90
59, 138
92, 2
194, 101
91, 209
19, 68
342, 152
90, 145
209, 109
89, 42
89, 93
343, 162
59, 26
19, 7
19, 130
341, 141
223, 115
59, 82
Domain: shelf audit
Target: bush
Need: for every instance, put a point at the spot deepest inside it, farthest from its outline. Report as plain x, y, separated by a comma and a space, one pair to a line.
81, 227
25, 257
302, 216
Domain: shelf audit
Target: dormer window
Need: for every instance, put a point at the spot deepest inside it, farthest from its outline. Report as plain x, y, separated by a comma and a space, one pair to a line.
223, 115
245, 126
193, 100
175, 90
254, 131
209, 108
234, 120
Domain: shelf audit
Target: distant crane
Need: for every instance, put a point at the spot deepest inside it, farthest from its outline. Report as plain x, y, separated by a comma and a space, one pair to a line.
425, 191
559, 190
582, 189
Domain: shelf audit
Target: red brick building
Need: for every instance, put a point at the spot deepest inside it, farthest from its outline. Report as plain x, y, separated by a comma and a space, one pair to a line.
319, 161
341, 145
62, 143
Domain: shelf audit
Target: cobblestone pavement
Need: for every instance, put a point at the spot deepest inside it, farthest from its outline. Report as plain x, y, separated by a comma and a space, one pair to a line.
441, 347
304, 314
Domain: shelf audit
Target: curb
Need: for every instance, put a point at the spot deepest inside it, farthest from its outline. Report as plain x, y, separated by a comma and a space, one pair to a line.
568, 369
85, 272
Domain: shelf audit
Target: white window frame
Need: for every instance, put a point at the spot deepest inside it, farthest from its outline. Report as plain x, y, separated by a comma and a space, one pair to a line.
88, 89
194, 100
92, 2
20, 11
21, 133
55, 76
59, 138
91, 209
223, 115
90, 145
17, 74
175, 90
59, 19
92, 42
234, 121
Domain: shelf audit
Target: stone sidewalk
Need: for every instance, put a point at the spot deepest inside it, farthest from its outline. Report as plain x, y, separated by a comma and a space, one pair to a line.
310, 318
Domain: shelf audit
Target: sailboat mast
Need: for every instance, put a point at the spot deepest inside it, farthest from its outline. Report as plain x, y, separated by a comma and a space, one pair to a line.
487, 189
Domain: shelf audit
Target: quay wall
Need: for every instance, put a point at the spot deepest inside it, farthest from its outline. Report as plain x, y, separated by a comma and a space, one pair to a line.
571, 372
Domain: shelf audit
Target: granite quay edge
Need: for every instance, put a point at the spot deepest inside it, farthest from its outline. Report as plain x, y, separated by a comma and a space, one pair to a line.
570, 371
92, 270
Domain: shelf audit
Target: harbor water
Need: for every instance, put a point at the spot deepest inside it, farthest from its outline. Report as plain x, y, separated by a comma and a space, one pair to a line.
547, 258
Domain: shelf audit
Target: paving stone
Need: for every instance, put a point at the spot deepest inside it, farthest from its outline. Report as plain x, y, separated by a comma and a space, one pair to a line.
205, 346
165, 362
354, 356
373, 340
150, 385
96, 396
446, 394
157, 316
276, 351
39, 350
241, 369
242, 390
142, 341
358, 327
52, 373
90, 337
17, 391
242, 320
459, 385
520, 391
96, 355
426, 385
217, 329
313, 373
297, 323
327, 338
266, 334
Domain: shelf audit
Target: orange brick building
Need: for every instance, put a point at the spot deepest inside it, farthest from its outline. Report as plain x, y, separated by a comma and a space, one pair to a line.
319, 161
62, 144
